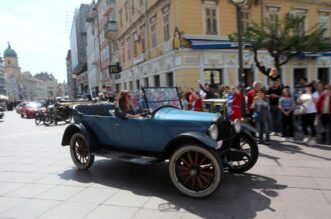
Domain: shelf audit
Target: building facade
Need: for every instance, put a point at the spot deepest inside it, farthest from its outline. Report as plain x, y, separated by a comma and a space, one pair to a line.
78, 48
2, 77
12, 73
178, 43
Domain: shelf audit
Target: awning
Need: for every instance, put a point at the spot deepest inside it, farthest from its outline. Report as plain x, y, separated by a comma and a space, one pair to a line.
314, 55
213, 44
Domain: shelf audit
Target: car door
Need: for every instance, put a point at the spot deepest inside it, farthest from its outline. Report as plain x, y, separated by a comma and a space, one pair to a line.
128, 133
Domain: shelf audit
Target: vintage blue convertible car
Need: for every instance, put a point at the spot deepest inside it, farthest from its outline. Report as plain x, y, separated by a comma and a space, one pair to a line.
199, 146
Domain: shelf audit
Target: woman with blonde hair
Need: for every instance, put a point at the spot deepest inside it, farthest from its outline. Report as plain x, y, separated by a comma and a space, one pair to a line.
274, 77
124, 108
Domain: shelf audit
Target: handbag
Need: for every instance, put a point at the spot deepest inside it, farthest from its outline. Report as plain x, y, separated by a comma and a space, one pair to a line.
299, 110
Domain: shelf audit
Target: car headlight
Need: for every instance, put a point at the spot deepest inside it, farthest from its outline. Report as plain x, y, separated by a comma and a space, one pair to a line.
213, 132
237, 125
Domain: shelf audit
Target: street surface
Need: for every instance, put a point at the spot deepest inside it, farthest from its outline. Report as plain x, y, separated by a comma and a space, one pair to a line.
39, 180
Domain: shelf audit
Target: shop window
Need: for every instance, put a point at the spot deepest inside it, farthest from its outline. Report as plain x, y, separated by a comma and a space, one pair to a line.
146, 82
138, 84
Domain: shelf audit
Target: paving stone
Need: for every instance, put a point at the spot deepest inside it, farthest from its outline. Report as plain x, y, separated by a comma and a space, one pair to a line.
8, 202
69, 210
29, 191
107, 211
6, 187
93, 195
30, 208
127, 198
60, 193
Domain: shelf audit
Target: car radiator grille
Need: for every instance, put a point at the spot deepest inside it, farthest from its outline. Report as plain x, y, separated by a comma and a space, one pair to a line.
225, 130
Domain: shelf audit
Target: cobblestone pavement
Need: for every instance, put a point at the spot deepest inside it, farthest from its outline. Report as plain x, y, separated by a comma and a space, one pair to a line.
38, 180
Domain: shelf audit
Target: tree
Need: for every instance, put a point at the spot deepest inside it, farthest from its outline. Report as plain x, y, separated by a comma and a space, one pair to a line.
284, 39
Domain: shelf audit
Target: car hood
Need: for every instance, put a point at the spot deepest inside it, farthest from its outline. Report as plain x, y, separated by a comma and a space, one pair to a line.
169, 113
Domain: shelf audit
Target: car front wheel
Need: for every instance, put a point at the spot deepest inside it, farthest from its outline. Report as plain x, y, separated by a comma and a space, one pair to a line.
195, 171
79, 152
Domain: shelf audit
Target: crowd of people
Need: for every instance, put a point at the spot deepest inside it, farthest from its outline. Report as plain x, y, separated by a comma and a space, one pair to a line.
276, 109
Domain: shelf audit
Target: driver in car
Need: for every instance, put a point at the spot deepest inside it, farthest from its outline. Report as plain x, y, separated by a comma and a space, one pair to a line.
124, 109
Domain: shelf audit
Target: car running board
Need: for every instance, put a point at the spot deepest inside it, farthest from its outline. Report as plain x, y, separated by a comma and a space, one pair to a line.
132, 158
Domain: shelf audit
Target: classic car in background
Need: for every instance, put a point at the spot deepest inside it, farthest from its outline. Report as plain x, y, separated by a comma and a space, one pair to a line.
29, 109
198, 145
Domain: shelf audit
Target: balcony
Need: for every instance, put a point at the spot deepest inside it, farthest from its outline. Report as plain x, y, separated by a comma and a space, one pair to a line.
110, 29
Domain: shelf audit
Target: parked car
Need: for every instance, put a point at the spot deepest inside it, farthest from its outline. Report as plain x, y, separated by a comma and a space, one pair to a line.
30, 109
198, 145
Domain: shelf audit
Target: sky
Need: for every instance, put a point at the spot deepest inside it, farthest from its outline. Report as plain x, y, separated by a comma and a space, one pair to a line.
39, 31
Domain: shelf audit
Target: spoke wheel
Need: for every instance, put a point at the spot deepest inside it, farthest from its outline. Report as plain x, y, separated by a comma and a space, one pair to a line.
195, 171
79, 152
250, 154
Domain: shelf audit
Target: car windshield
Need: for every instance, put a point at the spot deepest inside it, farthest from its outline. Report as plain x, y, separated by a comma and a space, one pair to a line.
34, 105
157, 97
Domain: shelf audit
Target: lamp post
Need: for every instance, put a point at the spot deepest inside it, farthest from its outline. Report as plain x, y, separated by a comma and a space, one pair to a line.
239, 4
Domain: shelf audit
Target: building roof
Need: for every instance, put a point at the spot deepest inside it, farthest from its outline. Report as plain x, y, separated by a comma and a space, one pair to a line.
9, 52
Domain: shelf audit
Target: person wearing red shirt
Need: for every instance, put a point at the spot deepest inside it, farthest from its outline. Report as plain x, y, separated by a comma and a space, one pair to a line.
236, 103
324, 110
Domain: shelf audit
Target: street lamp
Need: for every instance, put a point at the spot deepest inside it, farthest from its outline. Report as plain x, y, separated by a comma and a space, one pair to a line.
239, 4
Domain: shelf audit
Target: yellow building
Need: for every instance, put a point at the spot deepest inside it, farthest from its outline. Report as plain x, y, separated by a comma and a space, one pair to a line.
178, 42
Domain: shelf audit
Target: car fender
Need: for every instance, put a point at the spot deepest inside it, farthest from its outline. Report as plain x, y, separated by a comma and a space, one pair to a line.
188, 137
85, 130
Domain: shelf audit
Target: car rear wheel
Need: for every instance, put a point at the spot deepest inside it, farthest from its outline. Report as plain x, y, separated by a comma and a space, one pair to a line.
79, 152
195, 171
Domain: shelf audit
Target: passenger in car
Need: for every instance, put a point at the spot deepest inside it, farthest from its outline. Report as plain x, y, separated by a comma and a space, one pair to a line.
124, 109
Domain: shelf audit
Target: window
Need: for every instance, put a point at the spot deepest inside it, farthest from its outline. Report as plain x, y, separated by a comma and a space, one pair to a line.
125, 87
135, 44
131, 87
153, 31
121, 18
166, 23
301, 13
325, 22
273, 14
142, 37
299, 73
170, 79
245, 19
138, 84
146, 82
123, 51
157, 81
128, 47
211, 20
323, 75
126, 7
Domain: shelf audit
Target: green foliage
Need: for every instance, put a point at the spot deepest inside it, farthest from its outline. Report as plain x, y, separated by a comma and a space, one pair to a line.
284, 39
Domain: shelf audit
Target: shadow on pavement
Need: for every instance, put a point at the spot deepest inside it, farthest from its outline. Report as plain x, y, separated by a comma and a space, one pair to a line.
240, 195
292, 149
